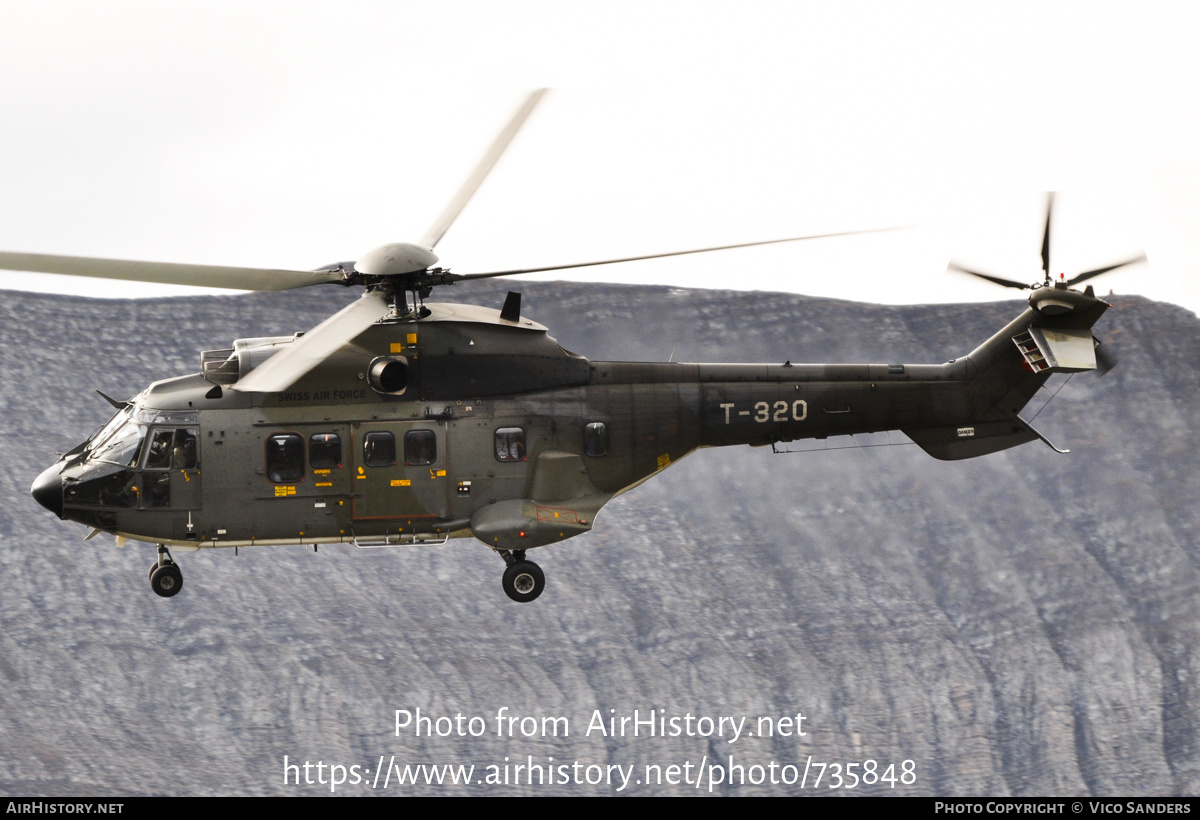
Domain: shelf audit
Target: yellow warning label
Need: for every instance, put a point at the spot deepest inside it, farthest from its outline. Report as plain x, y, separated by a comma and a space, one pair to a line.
401, 482
323, 484
551, 513
282, 491
412, 338
397, 347
664, 461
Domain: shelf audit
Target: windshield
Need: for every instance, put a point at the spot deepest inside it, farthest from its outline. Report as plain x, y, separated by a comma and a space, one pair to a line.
119, 444
107, 430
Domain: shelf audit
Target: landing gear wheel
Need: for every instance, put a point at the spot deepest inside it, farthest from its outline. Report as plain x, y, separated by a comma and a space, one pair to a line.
164, 557
523, 581
166, 580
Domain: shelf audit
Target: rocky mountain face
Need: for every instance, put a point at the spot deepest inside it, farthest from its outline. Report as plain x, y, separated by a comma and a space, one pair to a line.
1020, 624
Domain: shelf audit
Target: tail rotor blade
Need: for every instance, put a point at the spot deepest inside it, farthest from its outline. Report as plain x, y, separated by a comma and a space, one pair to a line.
1046, 236
1048, 279
1089, 274
995, 280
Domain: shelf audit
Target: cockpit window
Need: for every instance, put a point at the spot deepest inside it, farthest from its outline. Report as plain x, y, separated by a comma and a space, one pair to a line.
183, 450
102, 485
122, 445
158, 456
105, 432
171, 448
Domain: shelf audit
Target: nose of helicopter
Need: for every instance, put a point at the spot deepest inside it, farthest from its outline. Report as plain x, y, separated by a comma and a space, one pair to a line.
47, 490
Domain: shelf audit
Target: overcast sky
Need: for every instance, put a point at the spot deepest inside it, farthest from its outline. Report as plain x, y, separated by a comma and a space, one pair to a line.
294, 134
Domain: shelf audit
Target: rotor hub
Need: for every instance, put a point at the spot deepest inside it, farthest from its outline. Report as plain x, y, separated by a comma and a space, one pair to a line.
396, 259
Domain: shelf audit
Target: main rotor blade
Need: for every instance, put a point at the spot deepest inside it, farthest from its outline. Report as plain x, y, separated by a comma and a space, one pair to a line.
996, 280
1046, 235
286, 367
664, 255
443, 223
1092, 273
168, 273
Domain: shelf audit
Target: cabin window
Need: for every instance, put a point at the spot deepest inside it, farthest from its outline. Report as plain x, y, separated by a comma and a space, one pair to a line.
595, 439
379, 449
325, 451
285, 458
420, 447
510, 444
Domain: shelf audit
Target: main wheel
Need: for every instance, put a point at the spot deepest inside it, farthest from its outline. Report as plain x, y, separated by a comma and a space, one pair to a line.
166, 580
524, 581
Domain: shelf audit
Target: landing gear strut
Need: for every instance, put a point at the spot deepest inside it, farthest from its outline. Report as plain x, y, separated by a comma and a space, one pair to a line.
165, 578
523, 580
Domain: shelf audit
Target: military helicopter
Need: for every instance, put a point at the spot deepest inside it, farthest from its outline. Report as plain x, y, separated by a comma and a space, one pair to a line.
398, 422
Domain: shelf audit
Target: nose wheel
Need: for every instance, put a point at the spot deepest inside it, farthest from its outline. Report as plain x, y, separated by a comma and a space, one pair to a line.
165, 577
523, 580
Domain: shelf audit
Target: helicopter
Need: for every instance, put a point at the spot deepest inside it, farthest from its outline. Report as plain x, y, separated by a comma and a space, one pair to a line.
398, 421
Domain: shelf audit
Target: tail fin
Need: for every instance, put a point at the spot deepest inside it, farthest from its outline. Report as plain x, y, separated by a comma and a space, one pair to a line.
1052, 336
